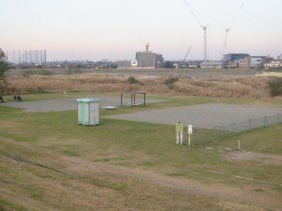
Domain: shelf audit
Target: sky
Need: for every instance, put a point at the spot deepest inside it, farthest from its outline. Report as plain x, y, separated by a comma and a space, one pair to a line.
116, 29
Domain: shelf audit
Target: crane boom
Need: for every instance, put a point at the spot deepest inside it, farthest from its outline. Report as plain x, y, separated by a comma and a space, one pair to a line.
228, 29
204, 27
193, 13
186, 55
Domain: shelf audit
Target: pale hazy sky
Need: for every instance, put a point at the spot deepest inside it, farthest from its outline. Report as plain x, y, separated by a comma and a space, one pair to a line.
96, 29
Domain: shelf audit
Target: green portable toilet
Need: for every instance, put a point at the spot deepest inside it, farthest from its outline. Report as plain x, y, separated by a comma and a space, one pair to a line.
88, 111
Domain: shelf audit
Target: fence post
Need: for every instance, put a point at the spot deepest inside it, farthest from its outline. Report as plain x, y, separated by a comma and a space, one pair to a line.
264, 121
250, 123
233, 127
212, 137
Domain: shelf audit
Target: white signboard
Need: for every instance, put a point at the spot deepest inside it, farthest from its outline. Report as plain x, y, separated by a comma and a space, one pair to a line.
190, 129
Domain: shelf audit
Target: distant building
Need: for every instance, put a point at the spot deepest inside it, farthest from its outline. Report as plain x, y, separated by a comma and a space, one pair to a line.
257, 61
149, 60
126, 64
245, 62
233, 60
280, 57
275, 64
211, 65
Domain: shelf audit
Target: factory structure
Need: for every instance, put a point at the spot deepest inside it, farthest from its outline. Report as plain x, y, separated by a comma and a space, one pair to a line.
27, 57
144, 60
149, 60
242, 60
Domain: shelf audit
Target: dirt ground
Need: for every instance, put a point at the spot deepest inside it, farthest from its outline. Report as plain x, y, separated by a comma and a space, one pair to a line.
202, 116
65, 104
267, 159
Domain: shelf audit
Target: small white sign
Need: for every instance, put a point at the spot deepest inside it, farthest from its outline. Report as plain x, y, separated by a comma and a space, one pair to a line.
190, 129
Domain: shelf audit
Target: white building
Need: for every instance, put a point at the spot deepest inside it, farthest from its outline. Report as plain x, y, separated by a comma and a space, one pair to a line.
276, 64
257, 61
211, 65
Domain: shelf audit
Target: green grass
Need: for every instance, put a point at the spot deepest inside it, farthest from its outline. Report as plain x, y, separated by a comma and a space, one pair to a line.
43, 137
264, 140
147, 146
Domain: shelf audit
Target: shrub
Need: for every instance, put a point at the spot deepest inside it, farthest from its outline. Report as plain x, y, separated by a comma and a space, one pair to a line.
132, 80
170, 81
275, 86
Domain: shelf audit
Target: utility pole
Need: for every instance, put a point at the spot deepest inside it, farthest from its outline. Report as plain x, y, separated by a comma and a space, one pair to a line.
205, 43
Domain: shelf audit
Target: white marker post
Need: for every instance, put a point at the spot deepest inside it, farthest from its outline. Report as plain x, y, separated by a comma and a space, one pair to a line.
190, 131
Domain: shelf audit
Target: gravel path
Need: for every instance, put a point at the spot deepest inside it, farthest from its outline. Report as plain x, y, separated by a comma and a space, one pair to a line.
202, 116
64, 104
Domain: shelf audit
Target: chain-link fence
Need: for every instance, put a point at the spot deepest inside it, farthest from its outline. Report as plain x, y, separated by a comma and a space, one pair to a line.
221, 133
251, 124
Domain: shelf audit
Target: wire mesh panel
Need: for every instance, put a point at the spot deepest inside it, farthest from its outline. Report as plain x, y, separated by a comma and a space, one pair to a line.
251, 124
220, 133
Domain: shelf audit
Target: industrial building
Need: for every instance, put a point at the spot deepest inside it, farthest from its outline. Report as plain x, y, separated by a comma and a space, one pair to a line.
211, 65
233, 60
144, 60
245, 62
149, 60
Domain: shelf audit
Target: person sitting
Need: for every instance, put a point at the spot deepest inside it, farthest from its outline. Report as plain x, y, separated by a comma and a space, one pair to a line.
2, 99
15, 97
19, 98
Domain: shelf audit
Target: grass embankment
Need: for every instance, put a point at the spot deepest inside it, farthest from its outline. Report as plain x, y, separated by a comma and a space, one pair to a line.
42, 165
142, 145
37, 179
255, 87
45, 161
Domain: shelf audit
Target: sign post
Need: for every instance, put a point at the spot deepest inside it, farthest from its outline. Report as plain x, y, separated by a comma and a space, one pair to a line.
190, 131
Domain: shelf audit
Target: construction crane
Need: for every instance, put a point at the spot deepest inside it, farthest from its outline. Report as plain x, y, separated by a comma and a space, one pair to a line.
186, 55
147, 46
204, 27
228, 29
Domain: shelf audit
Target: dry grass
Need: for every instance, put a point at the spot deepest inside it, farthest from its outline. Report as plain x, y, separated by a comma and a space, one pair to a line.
255, 87
74, 184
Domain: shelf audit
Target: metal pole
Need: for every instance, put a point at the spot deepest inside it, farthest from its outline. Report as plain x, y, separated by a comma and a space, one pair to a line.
205, 44
121, 100
19, 59
189, 143
144, 99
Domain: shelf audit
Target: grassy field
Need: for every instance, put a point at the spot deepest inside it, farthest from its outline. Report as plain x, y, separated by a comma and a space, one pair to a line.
252, 86
49, 148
